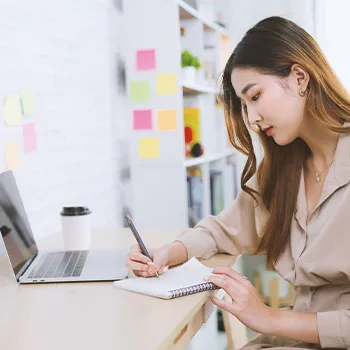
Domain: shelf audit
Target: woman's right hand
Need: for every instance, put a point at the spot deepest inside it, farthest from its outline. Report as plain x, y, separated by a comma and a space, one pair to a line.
143, 266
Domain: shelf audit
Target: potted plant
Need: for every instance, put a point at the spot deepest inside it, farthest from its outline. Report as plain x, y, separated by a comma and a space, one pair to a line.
190, 64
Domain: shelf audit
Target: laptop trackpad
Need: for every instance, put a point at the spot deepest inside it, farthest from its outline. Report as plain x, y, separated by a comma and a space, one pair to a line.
108, 264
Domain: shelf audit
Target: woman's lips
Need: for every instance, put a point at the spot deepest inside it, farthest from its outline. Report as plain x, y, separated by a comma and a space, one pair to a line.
268, 131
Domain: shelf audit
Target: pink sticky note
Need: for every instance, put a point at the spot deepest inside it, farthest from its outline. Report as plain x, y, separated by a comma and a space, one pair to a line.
145, 59
143, 119
29, 137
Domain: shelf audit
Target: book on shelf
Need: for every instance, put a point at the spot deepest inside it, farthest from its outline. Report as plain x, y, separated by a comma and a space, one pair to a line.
195, 198
192, 129
235, 183
216, 192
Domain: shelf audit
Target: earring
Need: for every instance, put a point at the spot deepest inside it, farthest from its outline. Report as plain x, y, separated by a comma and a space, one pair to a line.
302, 93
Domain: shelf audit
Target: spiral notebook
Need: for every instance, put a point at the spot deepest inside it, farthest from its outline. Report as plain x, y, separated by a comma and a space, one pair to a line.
183, 280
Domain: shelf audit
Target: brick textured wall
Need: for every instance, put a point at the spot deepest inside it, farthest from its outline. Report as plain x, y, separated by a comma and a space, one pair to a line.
66, 52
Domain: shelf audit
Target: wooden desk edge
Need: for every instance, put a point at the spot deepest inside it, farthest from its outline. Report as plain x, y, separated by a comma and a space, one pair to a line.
217, 260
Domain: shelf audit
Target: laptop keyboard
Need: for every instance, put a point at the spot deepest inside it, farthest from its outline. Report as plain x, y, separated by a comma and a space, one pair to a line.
60, 264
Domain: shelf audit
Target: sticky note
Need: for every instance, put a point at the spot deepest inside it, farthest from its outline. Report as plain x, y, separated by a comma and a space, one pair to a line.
27, 100
140, 91
149, 147
166, 84
12, 110
166, 119
145, 59
142, 119
12, 155
29, 137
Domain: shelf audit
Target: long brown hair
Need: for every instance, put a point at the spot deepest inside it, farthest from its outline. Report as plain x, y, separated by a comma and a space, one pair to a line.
272, 46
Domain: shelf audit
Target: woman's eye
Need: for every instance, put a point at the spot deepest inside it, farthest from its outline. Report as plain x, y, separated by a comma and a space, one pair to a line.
255, 98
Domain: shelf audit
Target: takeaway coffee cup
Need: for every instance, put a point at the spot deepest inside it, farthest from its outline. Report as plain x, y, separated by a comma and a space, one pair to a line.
76, 227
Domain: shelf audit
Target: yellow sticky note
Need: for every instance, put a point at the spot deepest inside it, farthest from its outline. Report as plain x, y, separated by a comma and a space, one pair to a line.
166, 119
166, 84
12, 155
27, 100
12, 110
149, 147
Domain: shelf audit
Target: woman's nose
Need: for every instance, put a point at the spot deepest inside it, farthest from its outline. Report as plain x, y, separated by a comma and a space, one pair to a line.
253, 117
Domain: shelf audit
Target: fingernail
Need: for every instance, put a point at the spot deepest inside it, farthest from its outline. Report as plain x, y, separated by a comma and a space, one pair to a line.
166, 268
150, 263
206, 278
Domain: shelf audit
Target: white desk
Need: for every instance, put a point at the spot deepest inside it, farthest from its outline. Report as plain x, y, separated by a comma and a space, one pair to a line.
97, 316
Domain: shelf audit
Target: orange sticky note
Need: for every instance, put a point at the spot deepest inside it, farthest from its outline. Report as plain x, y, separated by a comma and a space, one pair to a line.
166, 84
12, 155
149, 147
166, 119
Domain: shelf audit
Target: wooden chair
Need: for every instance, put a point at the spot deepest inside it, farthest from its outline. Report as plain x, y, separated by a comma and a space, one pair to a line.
236, 331
273, 299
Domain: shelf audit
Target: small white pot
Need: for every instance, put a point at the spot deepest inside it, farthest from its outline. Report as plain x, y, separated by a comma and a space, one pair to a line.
189, 75
200, 78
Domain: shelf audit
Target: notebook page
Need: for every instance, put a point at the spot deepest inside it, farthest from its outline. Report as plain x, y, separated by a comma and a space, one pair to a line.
189, 274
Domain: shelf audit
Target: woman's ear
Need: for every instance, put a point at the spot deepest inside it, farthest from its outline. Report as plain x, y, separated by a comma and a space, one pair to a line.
300, 77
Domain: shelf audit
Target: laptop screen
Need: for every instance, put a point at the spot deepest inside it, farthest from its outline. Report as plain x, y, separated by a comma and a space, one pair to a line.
14, 225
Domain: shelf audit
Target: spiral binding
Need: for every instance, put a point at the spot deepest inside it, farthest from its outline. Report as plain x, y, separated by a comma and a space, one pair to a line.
176, 293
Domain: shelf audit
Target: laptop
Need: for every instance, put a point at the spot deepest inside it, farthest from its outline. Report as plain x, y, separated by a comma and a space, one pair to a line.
33, 266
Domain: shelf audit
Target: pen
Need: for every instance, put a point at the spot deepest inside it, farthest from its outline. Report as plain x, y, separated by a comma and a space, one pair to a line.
138, 238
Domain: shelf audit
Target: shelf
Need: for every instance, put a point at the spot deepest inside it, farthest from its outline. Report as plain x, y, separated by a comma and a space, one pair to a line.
188, 12
208, 159
197, 89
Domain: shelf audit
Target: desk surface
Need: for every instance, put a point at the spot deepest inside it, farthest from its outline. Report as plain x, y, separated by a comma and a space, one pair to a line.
94, 315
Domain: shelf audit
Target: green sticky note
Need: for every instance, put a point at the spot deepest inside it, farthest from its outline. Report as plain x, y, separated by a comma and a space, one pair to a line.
140, 91
12, 110
27, 99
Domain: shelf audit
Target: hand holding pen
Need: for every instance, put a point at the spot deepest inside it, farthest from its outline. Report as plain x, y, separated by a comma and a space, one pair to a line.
143, 262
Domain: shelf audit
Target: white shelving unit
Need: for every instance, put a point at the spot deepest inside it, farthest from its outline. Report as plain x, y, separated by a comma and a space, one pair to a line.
209, 159
159, 185
188, 12
198, 89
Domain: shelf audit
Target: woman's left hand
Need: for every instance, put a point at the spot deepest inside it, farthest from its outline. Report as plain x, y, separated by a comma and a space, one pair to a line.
247, 304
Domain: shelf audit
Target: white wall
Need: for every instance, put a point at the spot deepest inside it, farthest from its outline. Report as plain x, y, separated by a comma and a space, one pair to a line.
66, 52
332, 28
245, 14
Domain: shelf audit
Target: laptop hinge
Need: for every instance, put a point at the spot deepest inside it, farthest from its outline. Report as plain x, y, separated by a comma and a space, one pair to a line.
25, 267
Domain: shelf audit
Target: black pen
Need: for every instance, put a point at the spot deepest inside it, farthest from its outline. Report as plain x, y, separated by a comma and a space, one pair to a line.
138, 238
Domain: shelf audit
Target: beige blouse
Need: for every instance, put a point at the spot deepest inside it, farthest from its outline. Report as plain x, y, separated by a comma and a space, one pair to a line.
317, 259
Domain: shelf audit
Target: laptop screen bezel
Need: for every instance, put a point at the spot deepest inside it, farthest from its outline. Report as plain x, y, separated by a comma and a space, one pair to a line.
10, 198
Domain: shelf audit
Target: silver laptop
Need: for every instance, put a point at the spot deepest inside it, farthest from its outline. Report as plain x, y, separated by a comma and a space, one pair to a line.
32, 266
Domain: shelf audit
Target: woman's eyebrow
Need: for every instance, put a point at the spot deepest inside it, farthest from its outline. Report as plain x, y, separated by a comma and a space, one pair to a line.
247, 87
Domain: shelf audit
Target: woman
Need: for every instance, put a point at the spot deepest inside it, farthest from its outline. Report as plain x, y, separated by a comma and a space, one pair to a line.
295, 207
